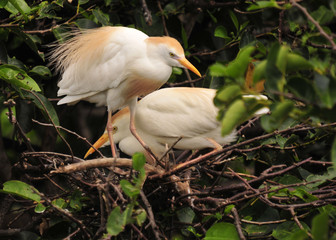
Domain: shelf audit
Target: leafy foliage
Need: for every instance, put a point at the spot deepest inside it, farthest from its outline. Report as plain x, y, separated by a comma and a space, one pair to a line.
276, 182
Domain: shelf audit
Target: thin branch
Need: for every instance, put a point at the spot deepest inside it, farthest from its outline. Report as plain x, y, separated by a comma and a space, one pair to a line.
57, 25
211, 154
71, 132
138, 231
238, 223
150, 215
147, 14
163, 18
185, 82
66, 214
51, 120
102, 162
12, 119
317, 25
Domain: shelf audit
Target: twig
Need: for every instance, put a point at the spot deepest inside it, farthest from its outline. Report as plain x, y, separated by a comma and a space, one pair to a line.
324, 46
238, 223
72, 234
71, 132
51, 120
317, 25
53, 182
102, 218
57, 25
138, 231
281, 18
39, 154
9, 25
147, 14
189, 78
12, 119
102, 162
66, 214
185, 82
163, 18
150, 215
296, 220
205, 157
169, 149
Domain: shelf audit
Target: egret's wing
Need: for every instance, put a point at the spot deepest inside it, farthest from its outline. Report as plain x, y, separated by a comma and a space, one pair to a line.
175, 112
96, 60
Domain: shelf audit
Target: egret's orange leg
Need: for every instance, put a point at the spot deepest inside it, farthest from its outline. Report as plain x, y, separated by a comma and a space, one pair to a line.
217, 146
136, 135
109, 128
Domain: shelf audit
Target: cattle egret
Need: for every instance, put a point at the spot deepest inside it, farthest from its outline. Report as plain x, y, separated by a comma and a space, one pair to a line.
112, 66
167, 114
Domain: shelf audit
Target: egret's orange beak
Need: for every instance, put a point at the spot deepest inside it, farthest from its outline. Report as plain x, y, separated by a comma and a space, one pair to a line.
184, 62
103, 139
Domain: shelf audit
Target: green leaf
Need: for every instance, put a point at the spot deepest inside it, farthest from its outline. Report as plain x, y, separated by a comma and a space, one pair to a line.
234, 20
320, 226
263, 4
21, 189
139, 161
177, 71
193, 231
101, 17
184, 37
221, 32
39, 99
304, 195
59, 202
81, 2
75, 200
278, 115
127, 214
235, 114
281, 61
274, 76
302, 88
235, 68
296, 62
185, 215
322, 15
228, 208
322, 84
330, 174
129, 189
213, 18
217, 69
47, 10
16, 6
290, 231
140, 217
259, 71
222, 231
333, 153
27, 39
229, 93
40, 208
3, 3
17, 77
41, 71
115, 223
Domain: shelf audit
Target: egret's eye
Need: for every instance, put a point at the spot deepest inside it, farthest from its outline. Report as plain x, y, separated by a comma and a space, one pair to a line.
115, 128
172, 54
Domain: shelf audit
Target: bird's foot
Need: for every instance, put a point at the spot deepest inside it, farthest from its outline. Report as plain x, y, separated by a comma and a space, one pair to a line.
110, 135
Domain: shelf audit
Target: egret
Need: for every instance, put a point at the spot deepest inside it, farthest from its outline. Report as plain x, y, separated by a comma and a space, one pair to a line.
112, 66
165, 115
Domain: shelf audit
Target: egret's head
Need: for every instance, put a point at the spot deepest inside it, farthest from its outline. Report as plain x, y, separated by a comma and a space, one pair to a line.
171, 51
